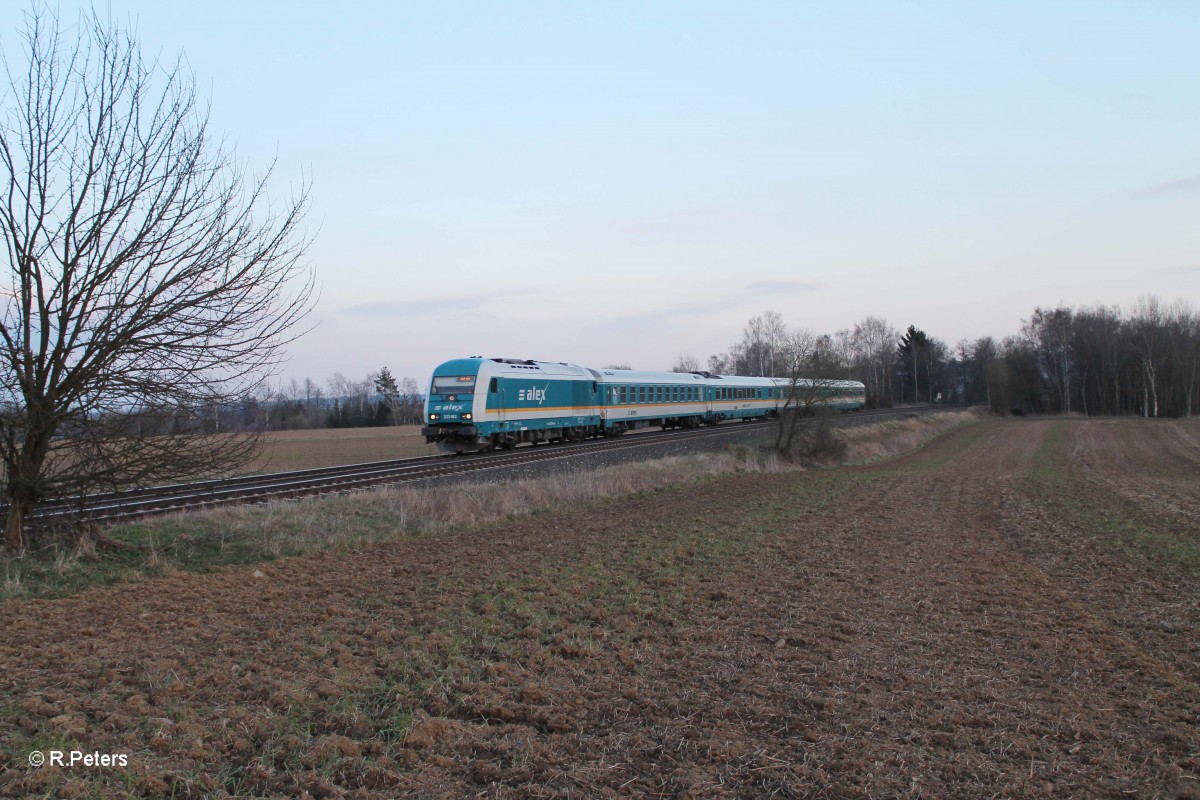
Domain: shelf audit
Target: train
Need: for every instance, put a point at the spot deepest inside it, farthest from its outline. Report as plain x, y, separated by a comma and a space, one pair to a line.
482, 404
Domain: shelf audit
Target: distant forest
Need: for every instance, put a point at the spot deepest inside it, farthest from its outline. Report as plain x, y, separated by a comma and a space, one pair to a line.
1099, 360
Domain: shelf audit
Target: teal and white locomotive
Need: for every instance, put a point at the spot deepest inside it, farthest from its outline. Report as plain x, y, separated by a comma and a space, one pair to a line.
477, 404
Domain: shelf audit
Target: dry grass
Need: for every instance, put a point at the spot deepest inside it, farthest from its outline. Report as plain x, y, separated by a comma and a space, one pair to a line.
290, 527
867, 443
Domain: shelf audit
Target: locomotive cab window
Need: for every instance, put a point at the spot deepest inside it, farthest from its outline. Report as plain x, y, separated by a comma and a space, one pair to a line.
493, 387
457, 384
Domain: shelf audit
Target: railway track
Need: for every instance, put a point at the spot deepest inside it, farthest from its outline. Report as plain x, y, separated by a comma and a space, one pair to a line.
126, 505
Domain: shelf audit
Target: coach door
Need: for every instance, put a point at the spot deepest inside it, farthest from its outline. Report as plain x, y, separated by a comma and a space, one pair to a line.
495, 399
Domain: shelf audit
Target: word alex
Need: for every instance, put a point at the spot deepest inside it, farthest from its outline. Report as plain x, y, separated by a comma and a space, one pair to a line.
533, 395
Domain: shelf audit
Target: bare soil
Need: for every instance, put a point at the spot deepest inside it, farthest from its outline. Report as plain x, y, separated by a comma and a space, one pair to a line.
1012, 611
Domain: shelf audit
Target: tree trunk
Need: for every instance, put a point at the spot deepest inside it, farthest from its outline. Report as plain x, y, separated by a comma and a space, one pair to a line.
916, 378
14, 532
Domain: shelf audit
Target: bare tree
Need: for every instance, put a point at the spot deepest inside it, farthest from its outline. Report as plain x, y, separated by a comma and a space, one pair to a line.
984, 353
806, 358
686, 363
874, 342
1050, 335
762, 339
1147, 325
146, 269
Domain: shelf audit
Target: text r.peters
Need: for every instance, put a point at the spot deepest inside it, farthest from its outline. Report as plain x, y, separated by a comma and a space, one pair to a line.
77, 758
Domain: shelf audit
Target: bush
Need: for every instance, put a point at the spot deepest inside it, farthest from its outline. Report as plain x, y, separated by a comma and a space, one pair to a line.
821, 444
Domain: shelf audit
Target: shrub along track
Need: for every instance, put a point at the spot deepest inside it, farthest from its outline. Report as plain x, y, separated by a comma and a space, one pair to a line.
945, 624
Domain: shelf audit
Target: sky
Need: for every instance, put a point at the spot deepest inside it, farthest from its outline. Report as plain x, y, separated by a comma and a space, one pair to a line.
628, 182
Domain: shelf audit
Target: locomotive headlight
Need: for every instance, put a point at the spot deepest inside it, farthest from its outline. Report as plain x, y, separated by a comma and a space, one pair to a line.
432, 417
467, 415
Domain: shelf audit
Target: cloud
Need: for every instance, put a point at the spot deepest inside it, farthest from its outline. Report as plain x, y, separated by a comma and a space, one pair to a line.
387, 309
1191, 184
696, 309
777, 287
700, 308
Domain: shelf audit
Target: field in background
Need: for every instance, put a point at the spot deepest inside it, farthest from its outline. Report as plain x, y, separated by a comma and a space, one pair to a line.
289, 450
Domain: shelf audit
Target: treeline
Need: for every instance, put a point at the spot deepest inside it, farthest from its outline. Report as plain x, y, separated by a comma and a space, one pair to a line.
1097, 360
378, 399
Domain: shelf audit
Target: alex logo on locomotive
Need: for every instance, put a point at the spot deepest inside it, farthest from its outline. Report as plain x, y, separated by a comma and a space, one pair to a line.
533, 395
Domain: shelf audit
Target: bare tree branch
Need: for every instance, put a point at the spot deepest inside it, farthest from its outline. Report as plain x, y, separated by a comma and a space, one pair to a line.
148, 272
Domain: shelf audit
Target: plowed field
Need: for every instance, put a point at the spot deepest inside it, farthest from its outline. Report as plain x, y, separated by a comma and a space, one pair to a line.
1012, 611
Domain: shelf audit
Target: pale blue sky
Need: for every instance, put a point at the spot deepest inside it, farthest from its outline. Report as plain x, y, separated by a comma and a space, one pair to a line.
628, 181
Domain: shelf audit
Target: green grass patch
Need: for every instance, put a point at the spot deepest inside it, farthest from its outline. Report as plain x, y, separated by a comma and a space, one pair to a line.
1057, 481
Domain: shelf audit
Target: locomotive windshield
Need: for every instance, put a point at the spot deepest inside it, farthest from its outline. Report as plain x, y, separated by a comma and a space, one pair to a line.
455, 384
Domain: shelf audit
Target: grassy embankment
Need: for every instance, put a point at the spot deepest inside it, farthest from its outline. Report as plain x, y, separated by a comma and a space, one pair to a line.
203, 541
